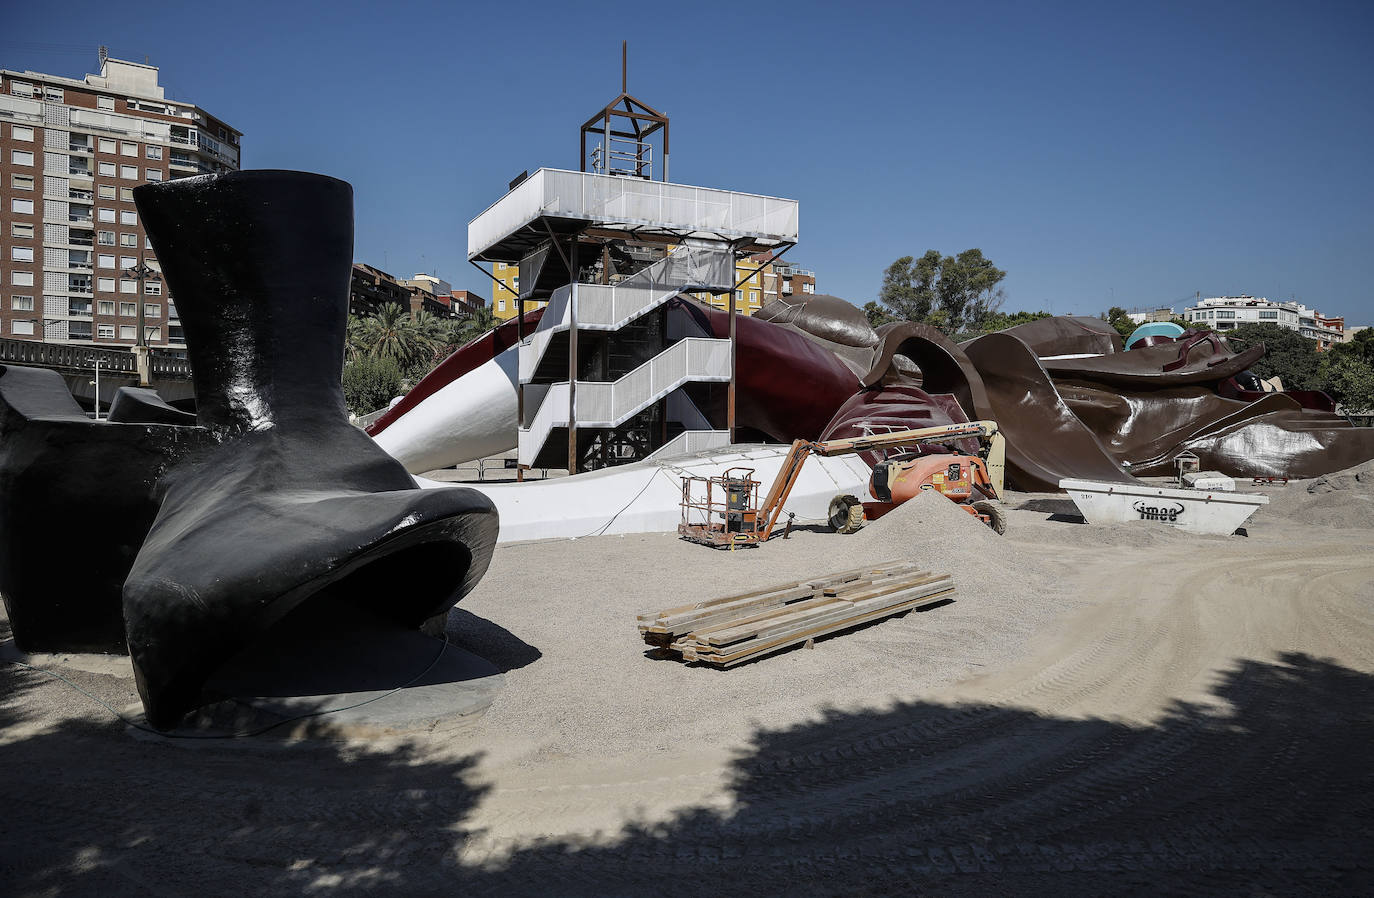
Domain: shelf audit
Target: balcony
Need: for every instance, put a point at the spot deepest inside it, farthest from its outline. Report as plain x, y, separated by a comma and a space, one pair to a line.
187, 141
75, 172
505, 230
74, 240
80, 219
79, 266
78, 308
80, 148
80, 196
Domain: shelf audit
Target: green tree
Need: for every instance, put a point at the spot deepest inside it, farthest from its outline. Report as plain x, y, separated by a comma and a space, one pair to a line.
1349, 378
877, 315
1120, 319
1287, 354
481, 321
369, 383
949, 292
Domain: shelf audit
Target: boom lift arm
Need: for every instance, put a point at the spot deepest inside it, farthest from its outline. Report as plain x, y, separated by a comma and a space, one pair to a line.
992, 451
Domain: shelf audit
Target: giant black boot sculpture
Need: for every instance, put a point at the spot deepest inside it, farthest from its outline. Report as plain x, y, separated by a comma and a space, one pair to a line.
293, 505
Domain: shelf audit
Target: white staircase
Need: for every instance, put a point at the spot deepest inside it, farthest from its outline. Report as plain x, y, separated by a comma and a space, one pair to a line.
689, 267
694, 359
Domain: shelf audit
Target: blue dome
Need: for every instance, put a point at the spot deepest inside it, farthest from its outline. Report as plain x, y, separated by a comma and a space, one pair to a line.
1154, 329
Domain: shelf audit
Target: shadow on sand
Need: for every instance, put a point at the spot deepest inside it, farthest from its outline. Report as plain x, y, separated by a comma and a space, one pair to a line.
1270, 790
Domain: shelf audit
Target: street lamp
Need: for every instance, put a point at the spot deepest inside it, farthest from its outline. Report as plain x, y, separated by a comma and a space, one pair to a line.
140, 273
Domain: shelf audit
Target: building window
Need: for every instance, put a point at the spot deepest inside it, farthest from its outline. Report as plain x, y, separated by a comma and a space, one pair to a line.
126, 286
106, 169
152, 288
106, 285
105, 238
128, 240
152, 334
21, 253
154, 152
152, 310
105, 331
23, 207
21, 182
128, 309
753, 297
127, 261
1225, 313
128, 217
500, 305
52, 94
129, 172
128, 149
22, 231
153, 174
127, 332
126, 194
21, 327
105, 215
19, 132
21, 303
21, 278
105, 145
104, 261
107, 191
1271, 315
21, 157
106, 306
105, 103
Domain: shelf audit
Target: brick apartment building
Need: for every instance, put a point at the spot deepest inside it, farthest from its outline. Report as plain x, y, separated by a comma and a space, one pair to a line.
71, 153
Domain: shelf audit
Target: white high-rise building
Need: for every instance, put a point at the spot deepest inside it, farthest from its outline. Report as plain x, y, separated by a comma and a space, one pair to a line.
1223, 313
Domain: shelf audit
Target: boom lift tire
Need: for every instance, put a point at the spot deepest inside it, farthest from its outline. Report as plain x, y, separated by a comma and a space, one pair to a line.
846, 514
997, 517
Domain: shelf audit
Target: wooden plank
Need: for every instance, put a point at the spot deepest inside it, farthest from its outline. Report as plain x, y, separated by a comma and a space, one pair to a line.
702, 632
759, 593
783, 642
835, 610
681, 623
719, 609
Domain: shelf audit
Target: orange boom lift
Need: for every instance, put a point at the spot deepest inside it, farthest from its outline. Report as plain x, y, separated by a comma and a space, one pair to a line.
724, 510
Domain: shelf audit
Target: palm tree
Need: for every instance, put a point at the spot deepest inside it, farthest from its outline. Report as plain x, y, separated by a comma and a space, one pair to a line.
481, 321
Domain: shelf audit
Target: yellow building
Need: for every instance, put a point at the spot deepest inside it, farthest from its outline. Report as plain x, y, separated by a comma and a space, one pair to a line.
757, 286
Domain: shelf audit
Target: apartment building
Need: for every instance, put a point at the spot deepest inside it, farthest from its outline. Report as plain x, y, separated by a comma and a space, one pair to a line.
760, 279
71, 153
1223, 313
505, 287
465, 303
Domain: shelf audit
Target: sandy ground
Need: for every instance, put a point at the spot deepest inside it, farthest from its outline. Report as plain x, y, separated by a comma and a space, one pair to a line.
1126, 710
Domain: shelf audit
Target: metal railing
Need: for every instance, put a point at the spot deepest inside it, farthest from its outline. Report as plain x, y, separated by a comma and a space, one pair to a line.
690, 441
162, 363
693, 359
61, 355
611, 307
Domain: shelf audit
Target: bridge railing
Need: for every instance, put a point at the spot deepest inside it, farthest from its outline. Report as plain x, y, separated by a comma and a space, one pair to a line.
83, 358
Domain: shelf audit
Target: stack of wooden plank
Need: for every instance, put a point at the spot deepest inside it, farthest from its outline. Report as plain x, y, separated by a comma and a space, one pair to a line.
739, 628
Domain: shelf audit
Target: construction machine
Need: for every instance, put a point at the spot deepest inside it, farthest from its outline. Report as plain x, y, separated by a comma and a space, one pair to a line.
725, 511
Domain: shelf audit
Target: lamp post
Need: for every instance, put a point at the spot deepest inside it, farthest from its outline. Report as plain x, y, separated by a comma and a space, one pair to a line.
140, 273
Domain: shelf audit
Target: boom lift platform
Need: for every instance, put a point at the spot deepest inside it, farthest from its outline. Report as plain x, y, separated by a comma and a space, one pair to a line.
724, 510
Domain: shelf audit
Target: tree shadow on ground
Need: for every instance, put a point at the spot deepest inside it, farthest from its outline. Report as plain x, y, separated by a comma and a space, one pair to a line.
1266, 791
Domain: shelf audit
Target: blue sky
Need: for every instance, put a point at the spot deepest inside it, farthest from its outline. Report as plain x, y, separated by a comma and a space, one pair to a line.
1101, 153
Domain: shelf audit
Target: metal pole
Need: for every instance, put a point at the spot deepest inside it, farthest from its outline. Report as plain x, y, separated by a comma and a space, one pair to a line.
519, 381
572, 362
730, 391
97, 388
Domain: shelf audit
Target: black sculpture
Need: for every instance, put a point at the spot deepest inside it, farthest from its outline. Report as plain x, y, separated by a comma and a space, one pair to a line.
60, 474
274, 503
